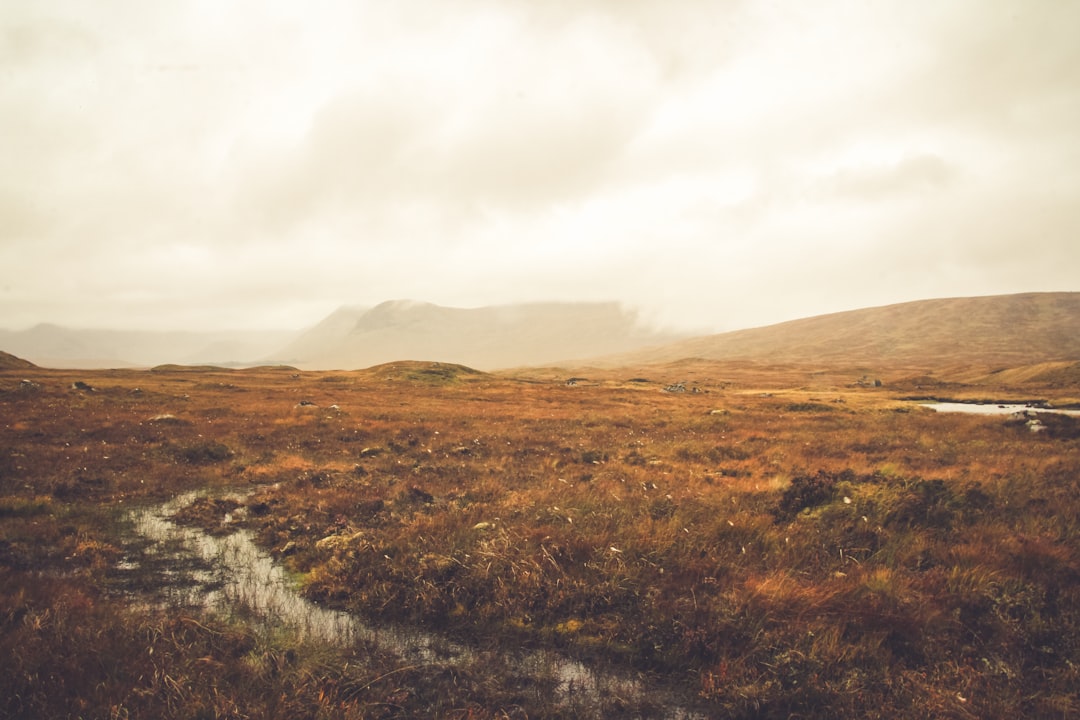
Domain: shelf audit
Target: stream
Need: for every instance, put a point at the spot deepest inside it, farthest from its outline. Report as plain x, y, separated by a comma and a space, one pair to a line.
230, 574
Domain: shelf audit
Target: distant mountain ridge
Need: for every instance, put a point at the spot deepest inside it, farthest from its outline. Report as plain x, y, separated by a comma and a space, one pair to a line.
55, 346
1007, 330
992, 332
485, 338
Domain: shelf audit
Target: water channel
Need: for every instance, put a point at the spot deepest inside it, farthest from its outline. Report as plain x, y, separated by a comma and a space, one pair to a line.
230, 574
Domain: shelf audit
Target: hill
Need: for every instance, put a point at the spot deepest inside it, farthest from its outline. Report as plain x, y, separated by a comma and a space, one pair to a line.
10, 362
485, 338
976, 335
1001, 330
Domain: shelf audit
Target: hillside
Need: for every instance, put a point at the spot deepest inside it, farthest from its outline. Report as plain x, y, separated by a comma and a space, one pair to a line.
971, 335
1002, 330
486, 338
10, 362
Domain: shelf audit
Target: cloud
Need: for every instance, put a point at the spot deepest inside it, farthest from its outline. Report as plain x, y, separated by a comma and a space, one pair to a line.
737, 161
500, 120
872, 181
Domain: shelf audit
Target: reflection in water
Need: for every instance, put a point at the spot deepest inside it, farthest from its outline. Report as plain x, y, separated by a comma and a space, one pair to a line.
994, 408
231, 574
236, 575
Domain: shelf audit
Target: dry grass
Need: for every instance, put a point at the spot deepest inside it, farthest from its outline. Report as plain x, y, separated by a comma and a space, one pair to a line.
778, 543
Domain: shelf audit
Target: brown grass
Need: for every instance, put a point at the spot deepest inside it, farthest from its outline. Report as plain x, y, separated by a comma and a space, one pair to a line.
778, 543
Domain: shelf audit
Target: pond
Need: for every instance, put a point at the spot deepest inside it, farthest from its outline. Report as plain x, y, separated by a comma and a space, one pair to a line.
230, 574
994, 408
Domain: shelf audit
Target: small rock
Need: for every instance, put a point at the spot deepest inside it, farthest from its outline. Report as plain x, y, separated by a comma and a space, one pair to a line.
334, 542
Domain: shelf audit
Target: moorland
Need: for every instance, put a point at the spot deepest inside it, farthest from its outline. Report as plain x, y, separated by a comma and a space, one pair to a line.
759, 540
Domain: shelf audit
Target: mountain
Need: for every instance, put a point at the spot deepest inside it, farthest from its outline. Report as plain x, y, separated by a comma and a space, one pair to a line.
1001, 330
485, 338
984, 334
329, 332
55, 346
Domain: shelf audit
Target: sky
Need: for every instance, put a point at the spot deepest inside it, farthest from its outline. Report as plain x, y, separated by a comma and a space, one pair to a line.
713, 164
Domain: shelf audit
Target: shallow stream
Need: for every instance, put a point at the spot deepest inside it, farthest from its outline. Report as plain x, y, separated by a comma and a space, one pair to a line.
230, 574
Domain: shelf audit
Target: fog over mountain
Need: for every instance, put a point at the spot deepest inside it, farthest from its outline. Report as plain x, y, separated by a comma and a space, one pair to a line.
1007, 330
485, 338
59, 347
356, 337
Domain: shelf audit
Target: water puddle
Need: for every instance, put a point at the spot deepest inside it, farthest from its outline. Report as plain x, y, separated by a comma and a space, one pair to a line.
230, 574
995, 408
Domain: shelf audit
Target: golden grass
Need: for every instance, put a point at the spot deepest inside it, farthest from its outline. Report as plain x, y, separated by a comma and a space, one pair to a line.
778, 543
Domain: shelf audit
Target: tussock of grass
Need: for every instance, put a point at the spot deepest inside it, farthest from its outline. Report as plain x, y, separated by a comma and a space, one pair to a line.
792, 556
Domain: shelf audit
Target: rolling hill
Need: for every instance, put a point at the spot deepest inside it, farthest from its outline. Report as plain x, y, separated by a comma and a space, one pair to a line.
10, 362
975, 334
1000, 330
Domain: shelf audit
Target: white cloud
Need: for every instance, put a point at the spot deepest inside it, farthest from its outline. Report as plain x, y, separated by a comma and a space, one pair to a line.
718, 164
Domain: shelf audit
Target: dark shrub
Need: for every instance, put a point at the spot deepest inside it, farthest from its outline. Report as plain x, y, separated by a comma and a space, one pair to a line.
205, 453
806, 491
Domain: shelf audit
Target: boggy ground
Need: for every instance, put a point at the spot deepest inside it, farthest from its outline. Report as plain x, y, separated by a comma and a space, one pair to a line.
778, 542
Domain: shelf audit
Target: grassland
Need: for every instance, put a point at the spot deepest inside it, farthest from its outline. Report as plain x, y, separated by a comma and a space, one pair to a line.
772, 541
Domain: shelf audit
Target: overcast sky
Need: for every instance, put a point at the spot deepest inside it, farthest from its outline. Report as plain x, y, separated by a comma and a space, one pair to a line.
198, 165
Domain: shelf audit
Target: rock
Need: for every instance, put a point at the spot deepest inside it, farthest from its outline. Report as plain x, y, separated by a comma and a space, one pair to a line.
80, 385
338, 541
